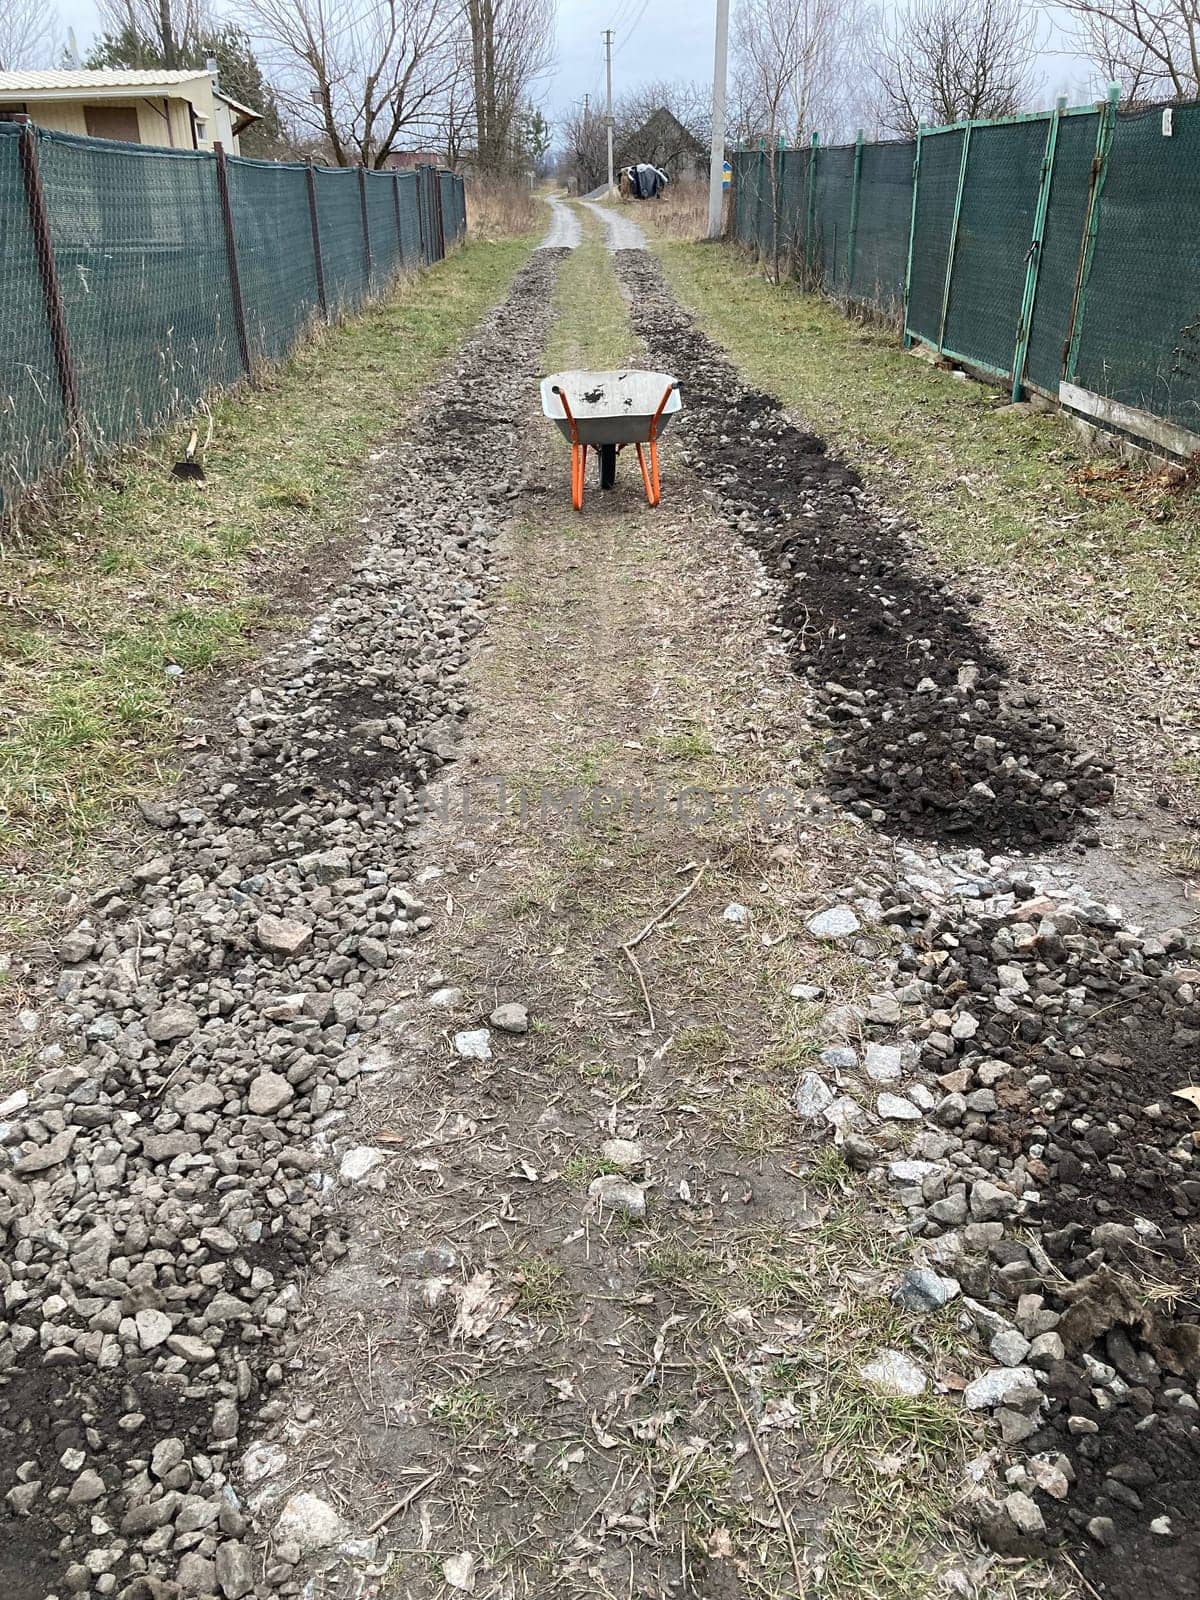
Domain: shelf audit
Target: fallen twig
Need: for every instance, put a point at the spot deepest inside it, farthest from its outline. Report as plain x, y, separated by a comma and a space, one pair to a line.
630, 945
403, 1503
766, 1472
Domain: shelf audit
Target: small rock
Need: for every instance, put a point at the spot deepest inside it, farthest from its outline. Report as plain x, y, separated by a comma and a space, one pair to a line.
1009, 1347
1023, 1513
172, 1022
735, 913
922, 1289
623, 1153
894, 1372
447, 999
511, 1017
883, 1063
839, 922
611, 1193
282, 935
311, 1523
356, 1163
812, 1096
235, 1570
153, 1328
269, 1093
894, 1108
883, 1009
474, 1044
998, 1384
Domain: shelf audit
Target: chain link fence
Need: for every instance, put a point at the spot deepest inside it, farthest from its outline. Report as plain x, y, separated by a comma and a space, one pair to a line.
1055, 251
135, 281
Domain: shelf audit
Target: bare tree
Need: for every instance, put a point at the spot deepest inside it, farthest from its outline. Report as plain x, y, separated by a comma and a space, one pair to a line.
360, 77
791, 65
585, 149
1152, 50
943, 61
511, 46
29, 35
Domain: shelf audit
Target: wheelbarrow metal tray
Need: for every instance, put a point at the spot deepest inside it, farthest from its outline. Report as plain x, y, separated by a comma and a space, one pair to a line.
609, 407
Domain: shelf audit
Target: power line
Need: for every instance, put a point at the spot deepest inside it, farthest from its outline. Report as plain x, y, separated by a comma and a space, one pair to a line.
633, 26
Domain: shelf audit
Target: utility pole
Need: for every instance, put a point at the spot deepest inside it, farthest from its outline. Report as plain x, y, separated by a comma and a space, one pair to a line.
716, 167
608, 39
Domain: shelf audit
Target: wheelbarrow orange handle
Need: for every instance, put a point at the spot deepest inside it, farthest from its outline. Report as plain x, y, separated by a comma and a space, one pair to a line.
578, 452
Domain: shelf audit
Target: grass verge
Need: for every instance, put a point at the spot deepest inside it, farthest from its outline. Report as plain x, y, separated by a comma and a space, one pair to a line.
984, 483
140, 571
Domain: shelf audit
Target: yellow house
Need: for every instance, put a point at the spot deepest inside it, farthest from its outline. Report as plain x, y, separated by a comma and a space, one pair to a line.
180, 110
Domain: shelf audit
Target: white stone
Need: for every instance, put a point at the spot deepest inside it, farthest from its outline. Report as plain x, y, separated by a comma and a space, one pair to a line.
895, 1372
882, 1063
735, 913
356, 1163
894, 1108
153, 1328
310, 1522
990, 1388
839, 922
623, 1153
474, 1044
446, 999
511, 1017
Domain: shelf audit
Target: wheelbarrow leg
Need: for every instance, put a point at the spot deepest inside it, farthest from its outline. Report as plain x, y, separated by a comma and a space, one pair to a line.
650, 472
578, 474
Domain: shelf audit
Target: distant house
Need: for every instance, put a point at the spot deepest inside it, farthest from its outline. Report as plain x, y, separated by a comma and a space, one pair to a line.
177, 110
663, 141
406, 160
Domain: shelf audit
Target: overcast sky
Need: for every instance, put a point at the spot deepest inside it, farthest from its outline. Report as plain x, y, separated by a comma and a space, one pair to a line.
652, 39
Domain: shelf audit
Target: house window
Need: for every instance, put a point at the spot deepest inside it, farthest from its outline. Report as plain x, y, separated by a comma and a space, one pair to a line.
112, 122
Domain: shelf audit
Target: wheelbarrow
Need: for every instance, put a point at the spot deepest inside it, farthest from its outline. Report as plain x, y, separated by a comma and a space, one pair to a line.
606, 412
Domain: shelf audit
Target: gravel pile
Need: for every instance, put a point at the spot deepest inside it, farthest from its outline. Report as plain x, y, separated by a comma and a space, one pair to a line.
164, 1185
1017, 1073
931, 732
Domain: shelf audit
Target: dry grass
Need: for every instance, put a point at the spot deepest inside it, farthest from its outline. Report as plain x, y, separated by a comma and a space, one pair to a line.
682, 212
500, 209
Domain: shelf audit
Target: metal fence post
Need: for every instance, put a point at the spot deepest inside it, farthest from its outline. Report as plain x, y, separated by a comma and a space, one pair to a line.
810, 214
855, 188
56, 316
953, 245
315, 223
912, 233
1106, 122
235, 283
1025, 321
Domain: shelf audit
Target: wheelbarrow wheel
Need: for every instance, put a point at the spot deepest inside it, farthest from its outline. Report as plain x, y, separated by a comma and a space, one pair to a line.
608, 465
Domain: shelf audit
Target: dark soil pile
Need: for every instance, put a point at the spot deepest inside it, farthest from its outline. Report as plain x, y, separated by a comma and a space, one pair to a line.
933, 733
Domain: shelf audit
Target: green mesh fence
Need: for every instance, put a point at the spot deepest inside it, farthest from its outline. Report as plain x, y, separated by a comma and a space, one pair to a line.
1070, 186
343, 249
276, 265
32, 419
882, 225
991, 246
119, 265
142, 265
940, 160
1061, 249
410, 216
1139, 335
833, 191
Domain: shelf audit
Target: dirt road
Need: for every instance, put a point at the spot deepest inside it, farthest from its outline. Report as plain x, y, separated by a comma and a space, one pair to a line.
585, 1093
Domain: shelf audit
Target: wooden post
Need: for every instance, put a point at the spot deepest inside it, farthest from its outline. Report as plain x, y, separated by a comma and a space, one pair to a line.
953, 244
439, 215
362, 203
56, 316
396, 208
315, 223
856, 185
1029, 297
235, 286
